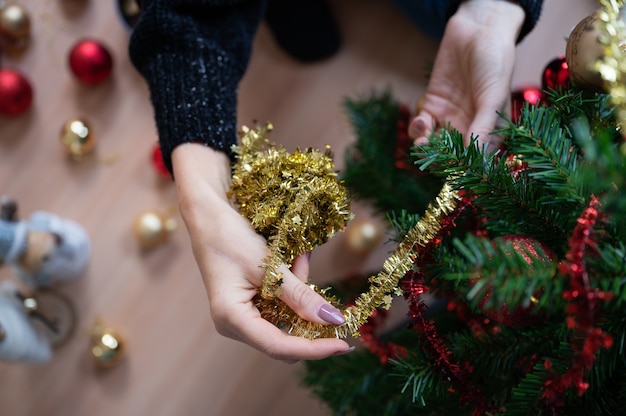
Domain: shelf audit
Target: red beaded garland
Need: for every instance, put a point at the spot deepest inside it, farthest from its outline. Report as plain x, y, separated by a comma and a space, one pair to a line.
90, 61
16, 93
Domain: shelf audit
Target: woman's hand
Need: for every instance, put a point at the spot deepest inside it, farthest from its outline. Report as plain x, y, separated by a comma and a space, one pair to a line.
229, 254
471, 79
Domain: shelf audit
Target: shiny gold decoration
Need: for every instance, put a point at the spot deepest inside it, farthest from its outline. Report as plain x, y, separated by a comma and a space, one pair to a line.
294, 200
153, 228
130, 9
382, 286
78, 138
363, 235
14, 22
107, 348
612, 64
583, 49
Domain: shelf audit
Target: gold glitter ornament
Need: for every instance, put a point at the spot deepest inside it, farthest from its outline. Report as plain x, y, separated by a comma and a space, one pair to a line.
78, 138
583, 49
294, 200
106, 346
130, 10
363, 235
14, 22
153, 228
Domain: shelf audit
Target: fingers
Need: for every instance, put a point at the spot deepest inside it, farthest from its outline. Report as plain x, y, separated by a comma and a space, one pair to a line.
242, 322
265, 337
300, 267
482, 126
307, 303
421, 127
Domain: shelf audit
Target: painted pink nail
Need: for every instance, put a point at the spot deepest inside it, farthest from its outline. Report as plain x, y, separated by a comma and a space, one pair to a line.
420, 125
328, 313
344, 352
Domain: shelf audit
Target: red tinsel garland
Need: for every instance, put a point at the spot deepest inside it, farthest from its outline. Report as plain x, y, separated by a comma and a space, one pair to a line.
414, 286
583, 306
383, 350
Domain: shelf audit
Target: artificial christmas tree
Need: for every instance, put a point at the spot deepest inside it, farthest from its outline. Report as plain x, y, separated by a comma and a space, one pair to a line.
525, 274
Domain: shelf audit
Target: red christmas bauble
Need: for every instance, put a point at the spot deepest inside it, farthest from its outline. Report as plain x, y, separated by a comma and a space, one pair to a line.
520, 317
556, 75
90, 61
530, 95
158, 164
16, 94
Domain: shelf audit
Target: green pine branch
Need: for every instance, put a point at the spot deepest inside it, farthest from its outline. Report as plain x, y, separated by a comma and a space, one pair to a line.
370, 171
509, 275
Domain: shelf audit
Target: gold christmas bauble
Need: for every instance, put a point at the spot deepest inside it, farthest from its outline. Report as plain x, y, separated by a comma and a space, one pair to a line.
107, 348
14, 22
362, 236
78, 138
583, 50
153, 228
130, 8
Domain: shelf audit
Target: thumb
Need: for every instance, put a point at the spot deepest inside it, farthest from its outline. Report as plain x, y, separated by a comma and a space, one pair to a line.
300, 267
482, 126
421, 127
307, 303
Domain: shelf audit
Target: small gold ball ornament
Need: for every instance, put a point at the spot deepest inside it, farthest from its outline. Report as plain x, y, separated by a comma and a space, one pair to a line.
14, 22
583, 50
363, 235
130, 11
78, 138
153, 228
107, 348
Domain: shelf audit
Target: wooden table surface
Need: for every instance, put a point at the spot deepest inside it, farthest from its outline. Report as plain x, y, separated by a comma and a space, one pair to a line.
176, 363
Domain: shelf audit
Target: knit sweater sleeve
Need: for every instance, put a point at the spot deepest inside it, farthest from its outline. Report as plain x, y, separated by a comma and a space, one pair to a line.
192, 55
532, 8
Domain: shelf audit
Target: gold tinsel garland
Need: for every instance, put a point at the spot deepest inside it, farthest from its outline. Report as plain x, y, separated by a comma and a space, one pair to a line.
382, 286
297, 203
294, 200
612, 65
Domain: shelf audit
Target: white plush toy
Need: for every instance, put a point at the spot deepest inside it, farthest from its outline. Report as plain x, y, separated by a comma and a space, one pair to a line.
45, 250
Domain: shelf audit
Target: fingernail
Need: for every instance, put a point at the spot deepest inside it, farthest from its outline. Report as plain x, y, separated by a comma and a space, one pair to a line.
419, 126
330, 314
344, 352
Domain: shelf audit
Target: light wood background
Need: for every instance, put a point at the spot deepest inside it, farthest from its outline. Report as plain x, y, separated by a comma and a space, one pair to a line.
176, 363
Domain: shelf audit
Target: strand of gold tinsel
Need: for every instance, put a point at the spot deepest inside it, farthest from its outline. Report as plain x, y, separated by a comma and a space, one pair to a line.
294, 200
612, 65
297, 203
381, 286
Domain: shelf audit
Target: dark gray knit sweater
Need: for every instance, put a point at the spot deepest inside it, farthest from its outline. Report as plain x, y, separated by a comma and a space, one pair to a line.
193, 53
